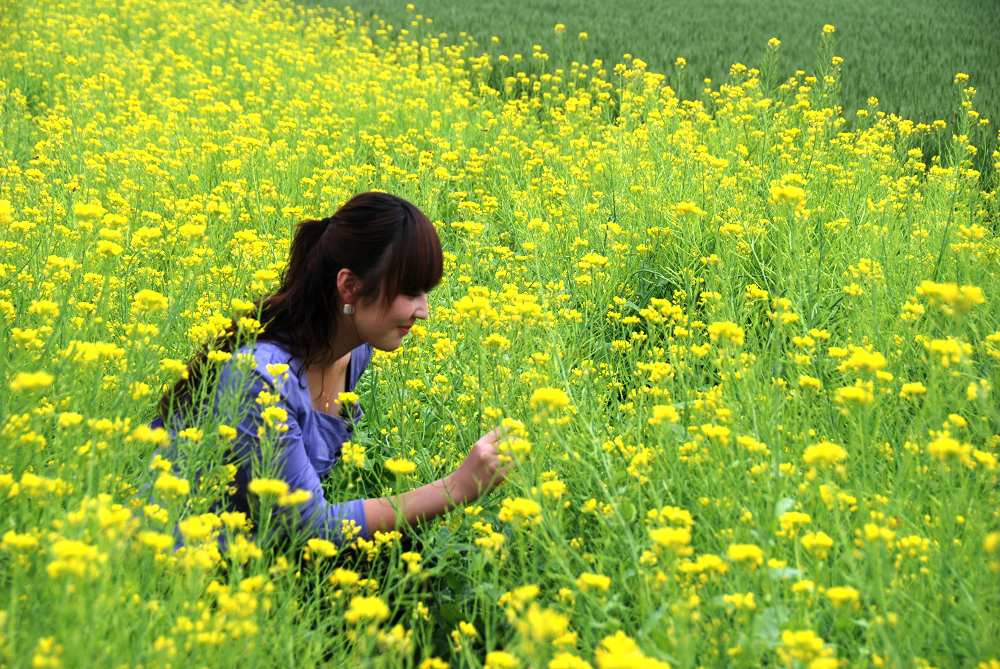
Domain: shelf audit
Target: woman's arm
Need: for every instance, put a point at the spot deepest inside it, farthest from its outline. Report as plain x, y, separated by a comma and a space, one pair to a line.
478, 473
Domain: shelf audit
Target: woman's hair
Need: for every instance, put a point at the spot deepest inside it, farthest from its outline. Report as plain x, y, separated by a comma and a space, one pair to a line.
388, 242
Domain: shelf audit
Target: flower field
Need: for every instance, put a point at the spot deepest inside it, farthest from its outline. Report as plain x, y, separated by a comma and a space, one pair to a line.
749, 359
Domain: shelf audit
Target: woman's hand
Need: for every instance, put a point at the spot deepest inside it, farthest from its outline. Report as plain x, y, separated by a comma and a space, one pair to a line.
481, 470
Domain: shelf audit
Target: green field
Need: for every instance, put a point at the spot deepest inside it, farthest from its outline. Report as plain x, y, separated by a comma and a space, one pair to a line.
748, 350
903, 53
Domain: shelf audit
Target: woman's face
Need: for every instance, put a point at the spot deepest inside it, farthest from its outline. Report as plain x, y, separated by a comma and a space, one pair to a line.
381, 326
385, 327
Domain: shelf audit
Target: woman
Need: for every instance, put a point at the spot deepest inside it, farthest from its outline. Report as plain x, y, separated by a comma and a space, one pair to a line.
355, 281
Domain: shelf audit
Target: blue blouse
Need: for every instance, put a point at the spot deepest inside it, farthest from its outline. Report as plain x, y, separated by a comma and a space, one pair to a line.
305, 453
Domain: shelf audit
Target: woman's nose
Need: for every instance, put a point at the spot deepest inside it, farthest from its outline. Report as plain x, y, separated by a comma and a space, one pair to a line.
421, 307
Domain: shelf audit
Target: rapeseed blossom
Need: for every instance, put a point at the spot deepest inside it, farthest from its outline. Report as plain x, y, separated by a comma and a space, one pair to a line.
748, 553
31, 381
520, 511
366, 609
268, 487
745, 347
400, 466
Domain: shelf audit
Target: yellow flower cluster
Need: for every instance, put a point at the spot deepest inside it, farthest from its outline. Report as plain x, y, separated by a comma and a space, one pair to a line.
745, 348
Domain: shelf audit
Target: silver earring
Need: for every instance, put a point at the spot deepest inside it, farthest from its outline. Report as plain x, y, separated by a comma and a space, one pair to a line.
348, 309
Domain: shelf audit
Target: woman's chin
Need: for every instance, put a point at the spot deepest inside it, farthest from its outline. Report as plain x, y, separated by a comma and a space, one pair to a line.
388, 344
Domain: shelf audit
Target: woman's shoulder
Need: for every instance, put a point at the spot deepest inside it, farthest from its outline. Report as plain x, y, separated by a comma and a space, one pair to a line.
267, 351
365, 353
268, 359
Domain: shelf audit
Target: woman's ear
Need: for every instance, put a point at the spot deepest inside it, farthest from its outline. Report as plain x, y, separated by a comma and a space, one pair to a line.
348, 286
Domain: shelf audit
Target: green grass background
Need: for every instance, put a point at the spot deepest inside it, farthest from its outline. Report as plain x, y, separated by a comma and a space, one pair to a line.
905, 53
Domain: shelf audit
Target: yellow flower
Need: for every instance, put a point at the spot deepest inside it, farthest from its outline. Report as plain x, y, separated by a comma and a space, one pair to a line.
620, 651
275, 417
277, 370
201, 527
819, 543
171, 485
843, 594
88, 210
945, 447
824, 453
158, 541
496, 341
688, 208
72, 556
45, 308
805, 585
810, 382
348, 398
862, 359
514, 445
549, 398
664, 412
242, 550
949, 351
800, 645
400, 466
498, 659
676, 539
6, 212
352, 453
791, 520
15, 541
433, 663
786, 194
321, 547
726, 332
193, 434
740, 601
412, 560
749, 553
952, 298
343, 577
542, 624
861, 393
31, 381
295, 497
268, 487
362, 608
565, 660
233, 520
149, 301
553, 489
156, 436
589, 581
520, 511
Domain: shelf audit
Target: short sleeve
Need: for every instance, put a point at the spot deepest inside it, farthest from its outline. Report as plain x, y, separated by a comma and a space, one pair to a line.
290, 462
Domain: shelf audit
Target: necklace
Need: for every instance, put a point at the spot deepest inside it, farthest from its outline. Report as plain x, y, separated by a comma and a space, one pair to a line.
328, 398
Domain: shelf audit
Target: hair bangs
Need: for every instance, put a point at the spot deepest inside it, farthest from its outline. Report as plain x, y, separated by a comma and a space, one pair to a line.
416, 262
